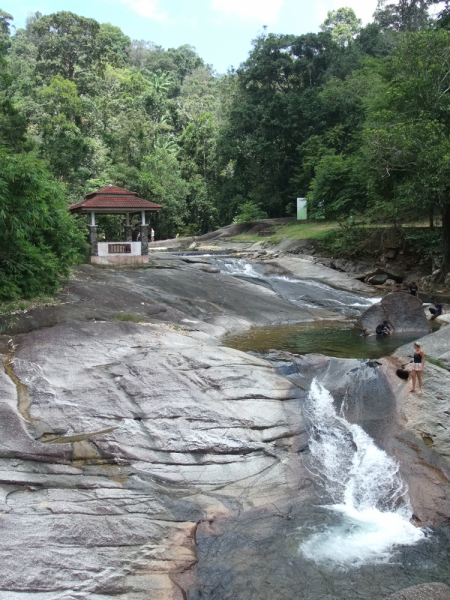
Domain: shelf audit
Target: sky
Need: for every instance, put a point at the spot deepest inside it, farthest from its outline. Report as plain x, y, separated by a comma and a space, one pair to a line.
220, 30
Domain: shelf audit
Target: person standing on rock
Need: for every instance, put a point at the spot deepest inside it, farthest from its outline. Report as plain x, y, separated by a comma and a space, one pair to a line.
418, 364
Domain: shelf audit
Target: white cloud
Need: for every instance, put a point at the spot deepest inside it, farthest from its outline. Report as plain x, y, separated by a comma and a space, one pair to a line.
146, 8
263, 11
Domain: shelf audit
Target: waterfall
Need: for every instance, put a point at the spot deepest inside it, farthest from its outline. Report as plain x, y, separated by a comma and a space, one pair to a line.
367, 493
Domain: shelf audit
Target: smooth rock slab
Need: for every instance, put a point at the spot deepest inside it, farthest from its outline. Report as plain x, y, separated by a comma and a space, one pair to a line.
427, 591
201, 430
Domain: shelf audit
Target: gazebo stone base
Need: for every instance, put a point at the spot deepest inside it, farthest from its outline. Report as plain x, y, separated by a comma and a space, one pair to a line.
120, 259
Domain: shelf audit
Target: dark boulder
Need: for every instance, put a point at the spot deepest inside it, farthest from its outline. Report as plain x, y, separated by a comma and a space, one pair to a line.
378, 279
402, 311
426, 591
388, 271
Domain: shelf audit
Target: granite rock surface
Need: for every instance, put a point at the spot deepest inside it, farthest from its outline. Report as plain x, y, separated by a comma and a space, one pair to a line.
128, 432
401, 310
427, 591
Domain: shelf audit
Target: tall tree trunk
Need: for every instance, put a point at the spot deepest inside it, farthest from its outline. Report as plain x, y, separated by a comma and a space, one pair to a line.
446, 238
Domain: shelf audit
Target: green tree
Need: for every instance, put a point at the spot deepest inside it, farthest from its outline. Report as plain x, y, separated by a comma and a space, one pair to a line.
248, 212
38, 236
60, 97
120, 43
186, 60
161, 181
5, 30
339, 187
161, 82
198, 143
275, 109
70, 45
406, 15
342, 24
12, 123
408, 138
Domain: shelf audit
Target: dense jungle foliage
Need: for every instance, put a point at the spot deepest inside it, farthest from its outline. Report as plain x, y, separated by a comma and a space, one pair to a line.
356, 119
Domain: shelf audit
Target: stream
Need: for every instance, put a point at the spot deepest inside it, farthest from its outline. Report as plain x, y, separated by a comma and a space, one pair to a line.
358, 539
306, 293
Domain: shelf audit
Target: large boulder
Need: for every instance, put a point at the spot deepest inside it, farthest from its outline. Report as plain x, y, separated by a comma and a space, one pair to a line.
403, 312
426, 591
378, 279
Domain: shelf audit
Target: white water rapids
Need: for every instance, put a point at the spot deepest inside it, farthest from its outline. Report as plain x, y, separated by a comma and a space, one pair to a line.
369, 498
302, 292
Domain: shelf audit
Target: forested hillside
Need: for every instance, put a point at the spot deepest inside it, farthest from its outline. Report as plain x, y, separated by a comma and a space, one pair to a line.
357, 119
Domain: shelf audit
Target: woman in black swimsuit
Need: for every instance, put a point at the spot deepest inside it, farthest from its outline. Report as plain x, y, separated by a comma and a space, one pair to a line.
418, 364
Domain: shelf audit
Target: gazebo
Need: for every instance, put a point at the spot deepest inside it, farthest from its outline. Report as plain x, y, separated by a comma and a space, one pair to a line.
112, 200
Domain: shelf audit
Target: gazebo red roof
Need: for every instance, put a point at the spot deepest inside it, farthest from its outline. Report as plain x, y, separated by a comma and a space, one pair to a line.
114, 199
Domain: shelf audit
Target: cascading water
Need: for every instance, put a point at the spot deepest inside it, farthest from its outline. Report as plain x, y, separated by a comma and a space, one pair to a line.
237, 267
302, 292
367, 493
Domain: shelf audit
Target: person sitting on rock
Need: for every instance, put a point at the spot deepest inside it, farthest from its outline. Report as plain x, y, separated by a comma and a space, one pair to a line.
436, 311
383, 328
412, 288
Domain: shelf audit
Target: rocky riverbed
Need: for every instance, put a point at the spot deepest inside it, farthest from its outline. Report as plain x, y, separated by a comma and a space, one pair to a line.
141, 459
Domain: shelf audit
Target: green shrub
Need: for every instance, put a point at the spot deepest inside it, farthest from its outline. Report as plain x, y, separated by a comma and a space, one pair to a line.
39, 238
249, 212
426, 242
345, 242
189, 230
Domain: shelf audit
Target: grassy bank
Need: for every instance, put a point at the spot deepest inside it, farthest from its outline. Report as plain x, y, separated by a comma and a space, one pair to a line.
301, 231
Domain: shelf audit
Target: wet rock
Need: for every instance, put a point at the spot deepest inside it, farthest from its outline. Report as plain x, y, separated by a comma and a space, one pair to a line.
444, 319
377, 279
426, 591
205, 267
305, 268
403, 312
397, 271
196, 444
422, 422
196, 259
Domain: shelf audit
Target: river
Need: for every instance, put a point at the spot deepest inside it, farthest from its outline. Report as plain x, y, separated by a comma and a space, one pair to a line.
358, 538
